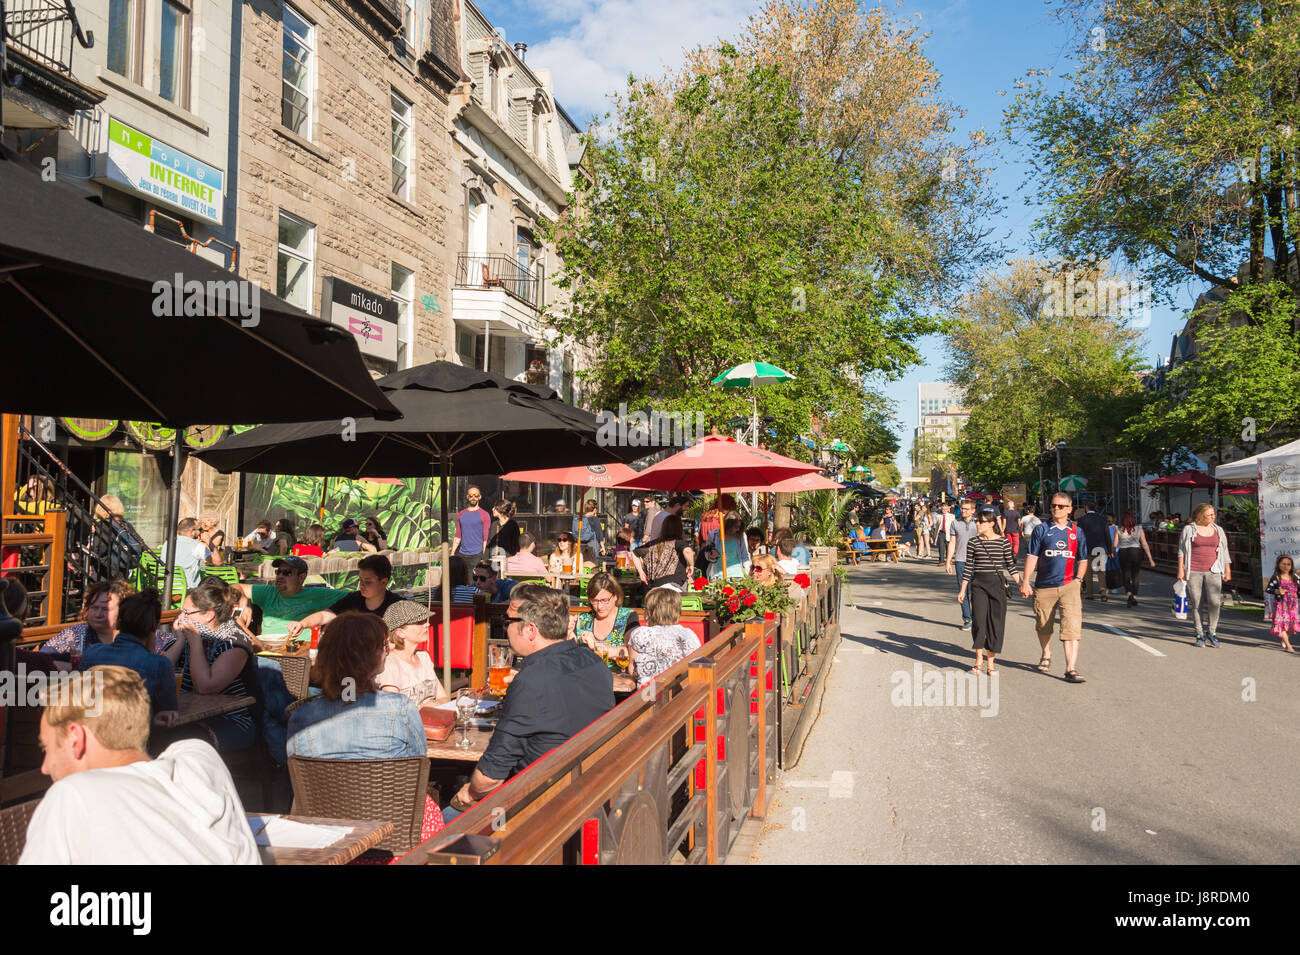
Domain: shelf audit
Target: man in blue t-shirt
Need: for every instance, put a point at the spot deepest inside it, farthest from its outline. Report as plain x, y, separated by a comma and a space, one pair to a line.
1058, 551
472, 526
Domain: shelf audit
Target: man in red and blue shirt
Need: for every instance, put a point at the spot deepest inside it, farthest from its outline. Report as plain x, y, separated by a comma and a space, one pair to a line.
1058, 551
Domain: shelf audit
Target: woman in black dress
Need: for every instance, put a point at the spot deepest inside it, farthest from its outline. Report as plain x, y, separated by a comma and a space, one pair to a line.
986, 554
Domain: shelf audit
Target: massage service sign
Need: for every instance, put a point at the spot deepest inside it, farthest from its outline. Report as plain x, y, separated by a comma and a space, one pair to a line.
163, 173
1279, 509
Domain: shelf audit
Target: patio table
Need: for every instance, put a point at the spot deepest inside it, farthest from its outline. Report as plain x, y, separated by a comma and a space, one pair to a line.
195, 707
343, 563
365, 834
448, 750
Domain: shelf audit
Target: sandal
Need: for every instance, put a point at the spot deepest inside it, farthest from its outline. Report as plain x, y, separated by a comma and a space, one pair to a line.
1072, 676
1044, 664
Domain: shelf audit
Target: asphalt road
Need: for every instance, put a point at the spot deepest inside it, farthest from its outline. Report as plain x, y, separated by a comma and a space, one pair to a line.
1189, 756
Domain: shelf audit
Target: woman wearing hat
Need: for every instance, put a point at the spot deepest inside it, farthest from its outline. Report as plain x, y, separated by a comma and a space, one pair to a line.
407, 669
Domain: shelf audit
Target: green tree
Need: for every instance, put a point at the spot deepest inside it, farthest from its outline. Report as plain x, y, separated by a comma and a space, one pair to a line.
1038, 366
721, 225
1245, 370
1173, 143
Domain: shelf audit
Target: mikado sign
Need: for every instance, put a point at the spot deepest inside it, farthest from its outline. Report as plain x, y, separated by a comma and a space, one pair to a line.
162, 173
1279, 509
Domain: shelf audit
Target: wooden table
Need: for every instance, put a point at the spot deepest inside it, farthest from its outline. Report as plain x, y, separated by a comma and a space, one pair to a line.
365, 835
195, 707
346, 561
448, 750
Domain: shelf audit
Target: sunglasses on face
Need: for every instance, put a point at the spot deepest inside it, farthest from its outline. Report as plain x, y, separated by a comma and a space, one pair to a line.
482, 577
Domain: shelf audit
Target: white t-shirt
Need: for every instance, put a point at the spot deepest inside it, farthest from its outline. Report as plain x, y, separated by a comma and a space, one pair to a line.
190, 555
420, 682
178, 809
1028, 523
789, 565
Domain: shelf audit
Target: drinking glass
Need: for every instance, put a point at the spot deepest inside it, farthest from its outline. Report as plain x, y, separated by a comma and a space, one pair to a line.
499, 662
466, 707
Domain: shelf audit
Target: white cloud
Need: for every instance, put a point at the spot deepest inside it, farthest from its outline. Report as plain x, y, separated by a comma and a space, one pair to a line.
597, 43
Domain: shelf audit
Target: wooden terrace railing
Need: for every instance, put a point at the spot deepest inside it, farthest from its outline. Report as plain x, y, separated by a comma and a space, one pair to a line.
670, 773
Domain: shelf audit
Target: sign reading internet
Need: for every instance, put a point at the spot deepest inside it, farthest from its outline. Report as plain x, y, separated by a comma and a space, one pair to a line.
371, 318
163, 173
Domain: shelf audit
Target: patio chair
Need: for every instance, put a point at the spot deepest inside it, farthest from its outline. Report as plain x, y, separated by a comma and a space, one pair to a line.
13, 830
389, 790
692, 602
296, 669
149, 575
226, 572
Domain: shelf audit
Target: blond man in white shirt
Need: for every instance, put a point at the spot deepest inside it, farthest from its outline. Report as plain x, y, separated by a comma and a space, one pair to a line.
111, 804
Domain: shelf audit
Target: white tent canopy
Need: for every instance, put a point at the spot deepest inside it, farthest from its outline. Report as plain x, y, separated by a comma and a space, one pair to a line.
1247, 469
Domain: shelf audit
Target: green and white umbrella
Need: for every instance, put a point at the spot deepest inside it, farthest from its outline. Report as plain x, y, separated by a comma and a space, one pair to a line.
752, 374
1074, 482
1041, 485
839, 447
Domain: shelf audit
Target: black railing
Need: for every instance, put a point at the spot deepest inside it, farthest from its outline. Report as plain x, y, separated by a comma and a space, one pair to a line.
503, 272
44, 30
98, 545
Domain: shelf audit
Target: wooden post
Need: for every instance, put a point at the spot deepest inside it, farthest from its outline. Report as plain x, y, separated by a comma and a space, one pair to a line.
9, 467
56, 526
702, 672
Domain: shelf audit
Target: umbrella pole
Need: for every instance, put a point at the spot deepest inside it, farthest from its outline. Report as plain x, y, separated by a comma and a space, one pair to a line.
173, 510
324, 490
445, 548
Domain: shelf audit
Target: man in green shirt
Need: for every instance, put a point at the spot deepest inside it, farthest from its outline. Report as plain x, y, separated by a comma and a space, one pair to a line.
289, 600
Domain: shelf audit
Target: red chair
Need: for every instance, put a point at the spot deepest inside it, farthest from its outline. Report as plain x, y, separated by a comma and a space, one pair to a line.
469, 633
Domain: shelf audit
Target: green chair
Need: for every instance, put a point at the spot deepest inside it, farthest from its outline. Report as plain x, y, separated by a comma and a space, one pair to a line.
148, 574
692, 602
526, 579
226, 572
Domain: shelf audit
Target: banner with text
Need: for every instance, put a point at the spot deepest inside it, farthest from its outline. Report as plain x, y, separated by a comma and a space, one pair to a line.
1279, 509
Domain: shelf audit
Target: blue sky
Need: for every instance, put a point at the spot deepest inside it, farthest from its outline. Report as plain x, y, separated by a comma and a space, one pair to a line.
981, 48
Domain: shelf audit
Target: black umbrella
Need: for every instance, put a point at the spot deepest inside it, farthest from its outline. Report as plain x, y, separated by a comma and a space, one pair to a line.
81, 289
455, 420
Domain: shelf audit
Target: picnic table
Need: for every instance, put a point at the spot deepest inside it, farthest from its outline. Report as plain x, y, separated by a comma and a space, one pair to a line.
196, 707
365, 834
448, 750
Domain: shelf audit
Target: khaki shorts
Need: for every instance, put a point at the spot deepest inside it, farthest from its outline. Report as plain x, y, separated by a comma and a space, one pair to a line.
1070, 600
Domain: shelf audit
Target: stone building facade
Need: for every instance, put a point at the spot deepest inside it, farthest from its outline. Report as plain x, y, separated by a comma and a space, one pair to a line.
343, 159
514, 153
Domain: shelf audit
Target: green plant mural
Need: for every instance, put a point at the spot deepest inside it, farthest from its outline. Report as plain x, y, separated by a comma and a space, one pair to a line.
408, 512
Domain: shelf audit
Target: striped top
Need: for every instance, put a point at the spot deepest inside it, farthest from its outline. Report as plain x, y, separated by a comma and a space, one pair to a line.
987, 556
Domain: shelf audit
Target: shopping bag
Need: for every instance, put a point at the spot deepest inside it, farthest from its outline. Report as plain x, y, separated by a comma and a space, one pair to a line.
1114, 579
1180, 600
1268, 608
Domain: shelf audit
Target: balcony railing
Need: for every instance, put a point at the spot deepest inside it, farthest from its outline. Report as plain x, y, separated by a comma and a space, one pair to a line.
503, 272
43, 30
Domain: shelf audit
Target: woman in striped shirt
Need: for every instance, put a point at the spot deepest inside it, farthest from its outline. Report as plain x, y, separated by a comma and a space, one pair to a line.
986, 554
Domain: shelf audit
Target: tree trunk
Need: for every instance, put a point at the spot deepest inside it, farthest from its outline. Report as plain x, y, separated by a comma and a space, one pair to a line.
781, 521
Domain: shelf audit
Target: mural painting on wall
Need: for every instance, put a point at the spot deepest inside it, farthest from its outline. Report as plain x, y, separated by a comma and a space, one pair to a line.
407, 511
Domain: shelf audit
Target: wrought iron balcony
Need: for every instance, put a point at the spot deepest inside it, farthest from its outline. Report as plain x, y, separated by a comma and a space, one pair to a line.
43, 31
501, 272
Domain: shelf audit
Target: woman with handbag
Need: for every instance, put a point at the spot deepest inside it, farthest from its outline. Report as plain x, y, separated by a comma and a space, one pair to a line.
989, 564
1204, 562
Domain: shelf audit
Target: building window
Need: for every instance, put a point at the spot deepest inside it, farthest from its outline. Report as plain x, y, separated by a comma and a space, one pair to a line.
173, 50
408, 26
490, 94
121, 36
295, 96
294, 261
401, 122
403, 293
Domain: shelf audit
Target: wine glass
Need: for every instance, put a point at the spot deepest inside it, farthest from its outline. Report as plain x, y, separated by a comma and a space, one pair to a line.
466, 707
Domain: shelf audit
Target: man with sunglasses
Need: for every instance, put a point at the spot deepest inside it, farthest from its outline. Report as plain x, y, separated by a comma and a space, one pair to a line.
486, 580
1058, 552
289, 600
472, 526
561, 688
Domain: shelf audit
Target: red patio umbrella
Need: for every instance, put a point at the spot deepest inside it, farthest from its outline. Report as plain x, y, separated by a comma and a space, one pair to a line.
591, 475
1192, 479
804, 482
1250, 488
974, 496
716, 461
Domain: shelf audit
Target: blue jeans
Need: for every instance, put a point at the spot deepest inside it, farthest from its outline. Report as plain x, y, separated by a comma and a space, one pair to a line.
277, 697
959, 567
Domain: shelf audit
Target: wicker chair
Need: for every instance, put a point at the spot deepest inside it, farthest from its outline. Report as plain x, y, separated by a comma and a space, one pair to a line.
391, 790
297, 674
13, 830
